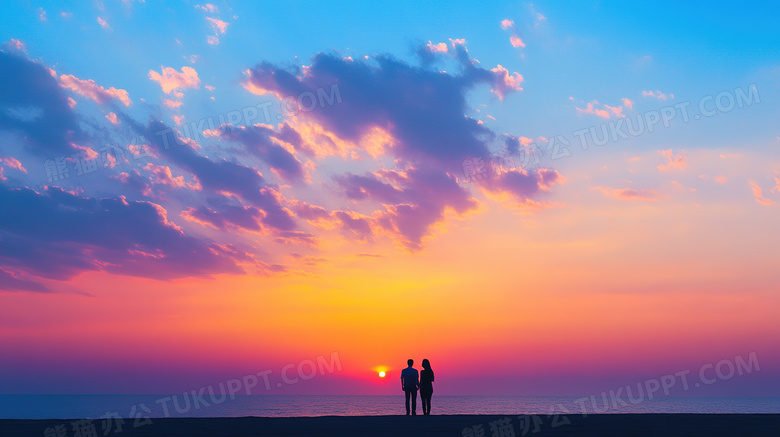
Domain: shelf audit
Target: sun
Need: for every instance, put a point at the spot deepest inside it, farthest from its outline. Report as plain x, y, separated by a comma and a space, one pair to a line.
382, 374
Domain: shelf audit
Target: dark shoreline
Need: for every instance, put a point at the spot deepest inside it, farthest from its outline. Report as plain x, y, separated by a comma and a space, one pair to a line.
564, 425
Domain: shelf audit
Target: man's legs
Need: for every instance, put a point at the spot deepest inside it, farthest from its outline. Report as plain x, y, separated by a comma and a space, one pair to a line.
407, 393
414, 402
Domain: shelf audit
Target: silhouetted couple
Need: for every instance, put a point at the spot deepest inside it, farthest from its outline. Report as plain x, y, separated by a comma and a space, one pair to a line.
411, 381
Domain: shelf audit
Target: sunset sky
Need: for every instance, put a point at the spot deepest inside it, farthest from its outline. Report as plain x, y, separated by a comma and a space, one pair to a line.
552, 198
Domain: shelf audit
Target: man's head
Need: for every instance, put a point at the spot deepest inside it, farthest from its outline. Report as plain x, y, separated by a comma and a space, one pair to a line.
410, 362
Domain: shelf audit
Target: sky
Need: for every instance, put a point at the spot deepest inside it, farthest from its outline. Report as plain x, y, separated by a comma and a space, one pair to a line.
548, 198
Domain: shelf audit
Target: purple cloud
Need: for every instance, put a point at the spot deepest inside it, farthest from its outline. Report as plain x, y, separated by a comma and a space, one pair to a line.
57, 235
258, 140
33, 104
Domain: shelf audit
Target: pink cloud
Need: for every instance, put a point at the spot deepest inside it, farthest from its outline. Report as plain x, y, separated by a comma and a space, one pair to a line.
628, 103
179, 119
90, 89
629, 193
516, 41
208, 7
776, 188
590, 109
606, 111
217, 24
617, 110
674, 161
507, 23
213, 40
13, 163
506, 82
437, 48
15, 44
103, 23
457, 42
41, 14
171, 103
162, 175
538, 17
657, 94
759, 195
111, 117
171, 80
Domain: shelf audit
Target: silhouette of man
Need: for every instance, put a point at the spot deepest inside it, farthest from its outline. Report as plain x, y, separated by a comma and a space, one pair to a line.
410, 382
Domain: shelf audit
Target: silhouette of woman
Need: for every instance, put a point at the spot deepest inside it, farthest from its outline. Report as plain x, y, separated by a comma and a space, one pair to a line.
426, 386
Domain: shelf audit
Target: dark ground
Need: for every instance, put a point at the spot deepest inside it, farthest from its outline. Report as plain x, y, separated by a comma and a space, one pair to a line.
402, 426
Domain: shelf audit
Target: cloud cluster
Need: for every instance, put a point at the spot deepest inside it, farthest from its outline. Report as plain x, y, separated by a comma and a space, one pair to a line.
91, 90
410, 122
35, 107
424, 113
55, 234
171, 80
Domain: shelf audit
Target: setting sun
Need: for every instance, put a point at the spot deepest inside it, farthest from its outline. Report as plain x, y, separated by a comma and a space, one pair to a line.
382, 374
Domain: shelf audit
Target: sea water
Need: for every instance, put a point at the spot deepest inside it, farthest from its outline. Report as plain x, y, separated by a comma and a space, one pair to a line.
156, 406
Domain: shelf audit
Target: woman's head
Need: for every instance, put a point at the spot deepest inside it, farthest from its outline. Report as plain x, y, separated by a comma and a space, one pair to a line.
426, 364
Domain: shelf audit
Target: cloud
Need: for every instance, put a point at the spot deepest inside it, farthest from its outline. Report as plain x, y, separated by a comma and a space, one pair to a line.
657, 94
171, 103
629, 193
15, 44
538, 17
33, 104
14, 163
674, 161
414, 200
228, 217
217, 25
111, 117
10, 282
759, 195
354, 226
395, 97
103, 23
516, 41
90, 89
162, 175
208, 7
220, 177
264, 142
591, 109
171, 80
421, 114
605, 111
522, 186
57, 235
42, 14
437, 48
506, 82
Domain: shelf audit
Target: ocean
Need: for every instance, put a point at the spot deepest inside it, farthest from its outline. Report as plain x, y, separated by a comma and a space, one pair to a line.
195, 405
